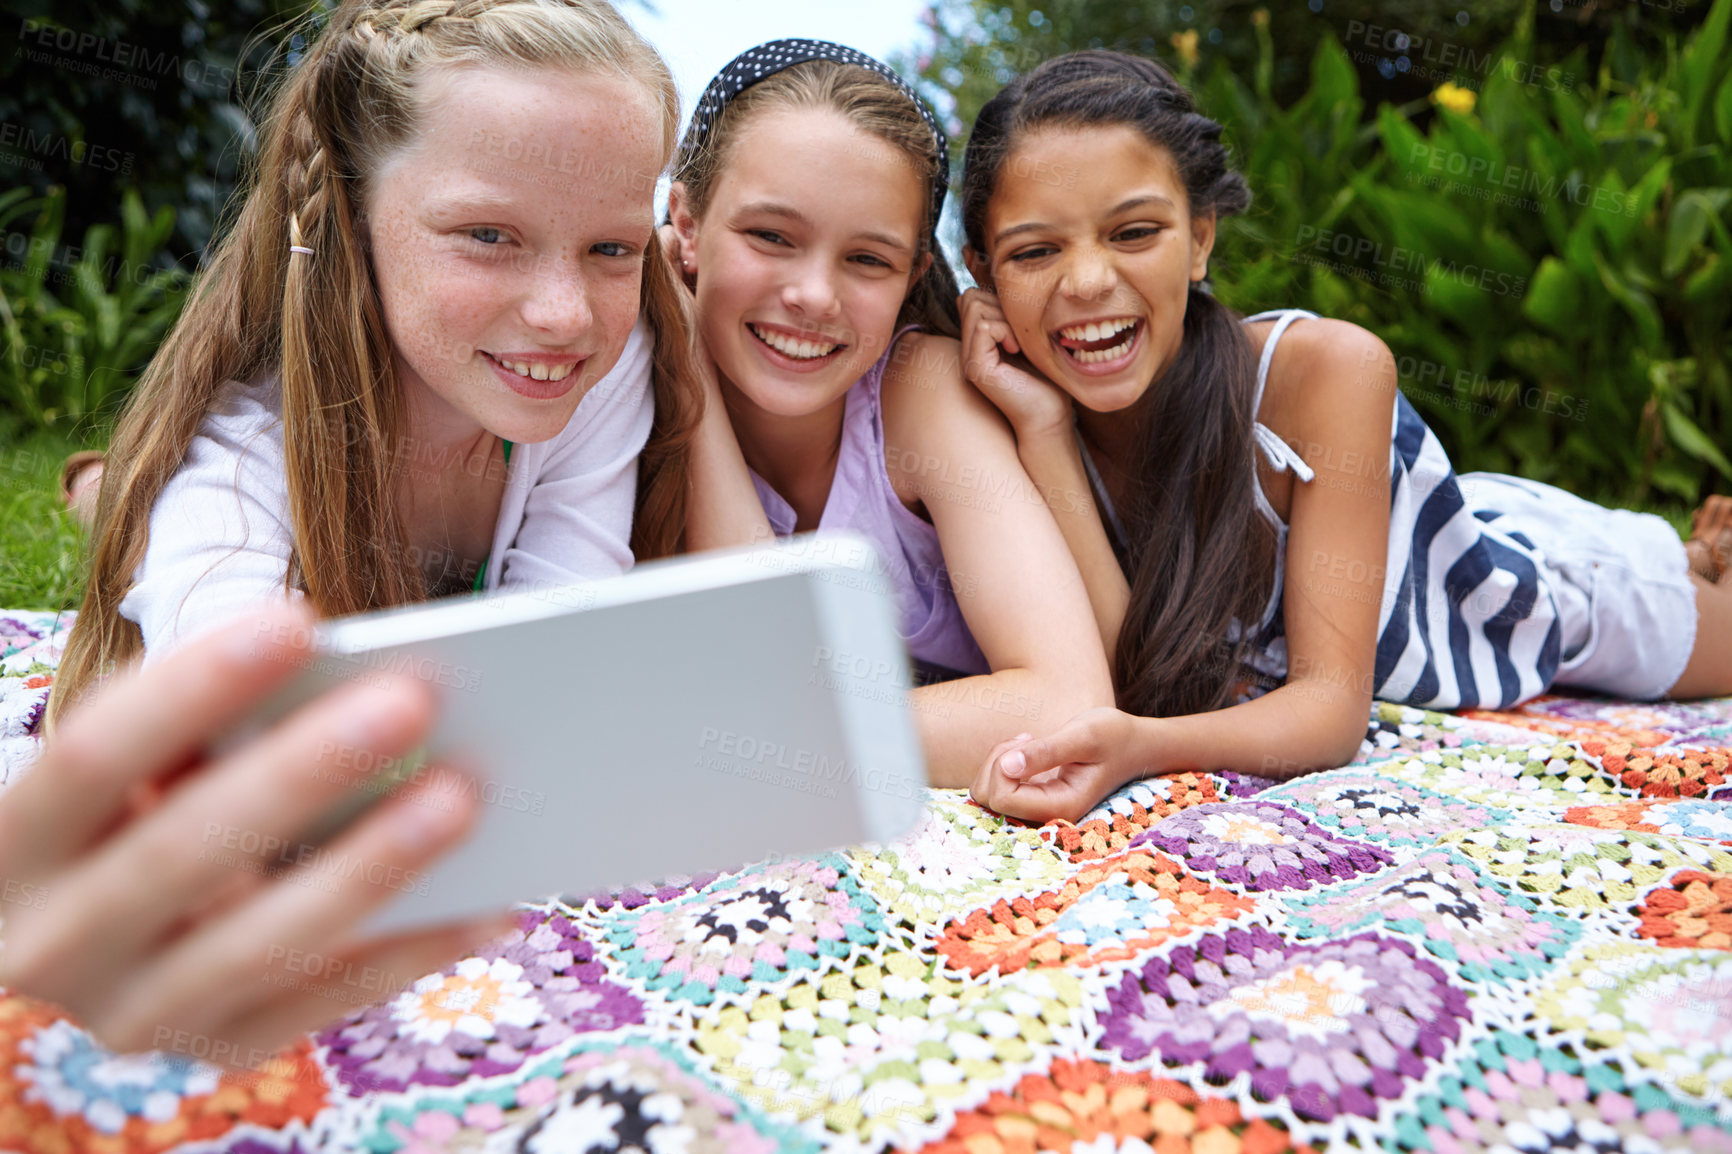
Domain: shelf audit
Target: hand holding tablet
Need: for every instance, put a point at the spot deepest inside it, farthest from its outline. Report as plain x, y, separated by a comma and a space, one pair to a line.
151, 931
692, 714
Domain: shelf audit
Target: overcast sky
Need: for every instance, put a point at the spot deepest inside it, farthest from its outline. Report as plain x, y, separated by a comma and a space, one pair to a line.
698, 37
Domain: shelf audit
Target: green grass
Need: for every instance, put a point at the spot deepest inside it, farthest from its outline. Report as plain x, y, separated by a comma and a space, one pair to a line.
41, 550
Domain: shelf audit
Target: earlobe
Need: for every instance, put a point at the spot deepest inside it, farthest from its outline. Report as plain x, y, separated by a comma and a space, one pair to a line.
681, 230
1202, 244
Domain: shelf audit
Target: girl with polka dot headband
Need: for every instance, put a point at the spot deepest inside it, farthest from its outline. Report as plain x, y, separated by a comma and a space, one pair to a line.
805, 198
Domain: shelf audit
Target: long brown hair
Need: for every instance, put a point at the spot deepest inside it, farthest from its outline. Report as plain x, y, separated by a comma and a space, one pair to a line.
876, 106
258, 308
1199, 556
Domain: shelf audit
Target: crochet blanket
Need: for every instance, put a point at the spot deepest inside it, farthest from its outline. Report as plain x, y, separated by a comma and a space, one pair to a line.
1506, 931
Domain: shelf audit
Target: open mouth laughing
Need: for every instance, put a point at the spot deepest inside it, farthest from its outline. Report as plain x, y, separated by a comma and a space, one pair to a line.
1099, 342
810, 348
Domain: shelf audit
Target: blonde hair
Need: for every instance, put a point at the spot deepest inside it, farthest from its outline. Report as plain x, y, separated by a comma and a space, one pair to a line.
354, 100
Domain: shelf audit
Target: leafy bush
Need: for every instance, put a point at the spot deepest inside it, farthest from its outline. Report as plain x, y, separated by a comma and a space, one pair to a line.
1548, 257
980, 44
80, 322
1395, 45
1550, 267
157, 95
97, 95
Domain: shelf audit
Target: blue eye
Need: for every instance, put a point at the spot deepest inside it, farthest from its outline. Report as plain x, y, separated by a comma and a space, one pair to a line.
487, 235
611, 248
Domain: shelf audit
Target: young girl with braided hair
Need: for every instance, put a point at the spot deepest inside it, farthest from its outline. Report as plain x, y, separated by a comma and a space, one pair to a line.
447, 254
803, 206
1279, 536
416, 363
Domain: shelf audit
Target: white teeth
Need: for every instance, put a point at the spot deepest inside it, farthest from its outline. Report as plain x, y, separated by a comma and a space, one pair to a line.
800, 350
1097, 330
1096, 356
539, 371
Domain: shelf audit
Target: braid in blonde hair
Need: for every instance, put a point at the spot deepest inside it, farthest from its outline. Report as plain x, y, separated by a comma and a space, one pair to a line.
341, 405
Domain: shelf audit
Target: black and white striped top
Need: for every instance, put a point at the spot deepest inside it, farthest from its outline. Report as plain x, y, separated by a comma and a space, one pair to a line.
1468, 618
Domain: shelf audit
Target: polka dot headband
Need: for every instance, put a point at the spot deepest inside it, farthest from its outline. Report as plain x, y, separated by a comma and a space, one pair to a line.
766, 60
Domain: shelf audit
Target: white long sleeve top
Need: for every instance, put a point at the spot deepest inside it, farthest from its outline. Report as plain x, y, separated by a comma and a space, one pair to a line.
219, 531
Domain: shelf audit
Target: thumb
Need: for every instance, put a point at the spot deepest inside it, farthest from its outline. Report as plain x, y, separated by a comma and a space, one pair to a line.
1073, 743
981, 358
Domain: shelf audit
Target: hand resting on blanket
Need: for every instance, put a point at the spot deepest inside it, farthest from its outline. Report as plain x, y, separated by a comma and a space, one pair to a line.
1064, 775
177, 923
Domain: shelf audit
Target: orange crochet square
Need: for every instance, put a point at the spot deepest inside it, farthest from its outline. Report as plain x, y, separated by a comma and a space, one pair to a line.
1077, 1102
1684, 773
1096, 839
1693, 911
1022, 932
1532, 715
289, 1088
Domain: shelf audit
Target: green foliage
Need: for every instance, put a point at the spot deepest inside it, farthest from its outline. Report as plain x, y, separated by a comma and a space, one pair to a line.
155, 95
1550, 268
80, 322
1550, 261
159, 95
978, 45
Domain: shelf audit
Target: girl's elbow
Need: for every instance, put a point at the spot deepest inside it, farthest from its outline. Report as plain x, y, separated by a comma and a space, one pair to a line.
1345, 750
1338, 718
1327, 758
1346, 735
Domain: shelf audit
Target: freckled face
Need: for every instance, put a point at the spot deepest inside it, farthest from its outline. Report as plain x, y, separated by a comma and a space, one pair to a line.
1093, 272
508, 242
804, 255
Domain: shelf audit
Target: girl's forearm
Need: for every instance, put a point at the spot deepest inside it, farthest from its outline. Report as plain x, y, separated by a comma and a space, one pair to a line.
1055, 465
722, 507
960, 721
1300, 727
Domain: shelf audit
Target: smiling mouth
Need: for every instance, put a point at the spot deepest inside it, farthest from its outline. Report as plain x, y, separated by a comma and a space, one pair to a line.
536, 372
795, 348
1099, 341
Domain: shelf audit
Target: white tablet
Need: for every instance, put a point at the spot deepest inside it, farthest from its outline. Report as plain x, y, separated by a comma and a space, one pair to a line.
693, 714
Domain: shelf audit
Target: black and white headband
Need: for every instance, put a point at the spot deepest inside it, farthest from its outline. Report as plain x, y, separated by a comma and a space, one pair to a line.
766, 60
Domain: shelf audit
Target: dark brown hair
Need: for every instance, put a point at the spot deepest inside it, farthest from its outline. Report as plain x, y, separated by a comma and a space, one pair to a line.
877, 106
1198, 555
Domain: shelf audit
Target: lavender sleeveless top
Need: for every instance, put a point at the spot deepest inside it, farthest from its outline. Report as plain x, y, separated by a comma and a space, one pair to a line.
863, 501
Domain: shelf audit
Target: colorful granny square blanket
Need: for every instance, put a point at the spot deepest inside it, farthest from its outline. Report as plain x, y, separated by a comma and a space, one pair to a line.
1494, 931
